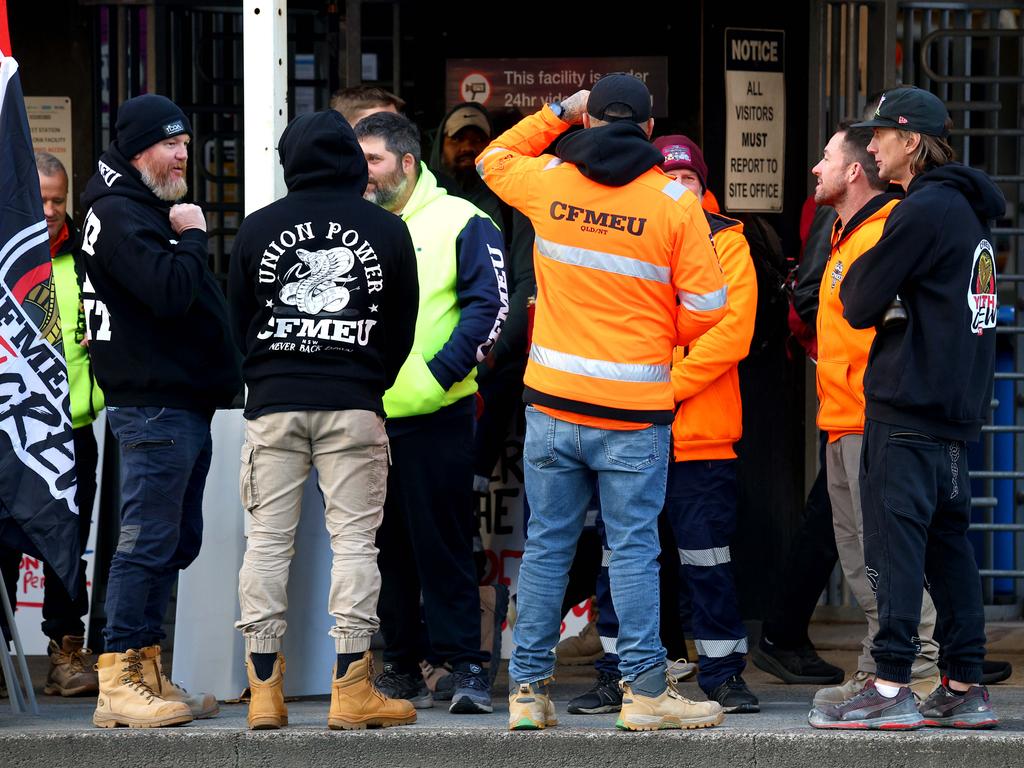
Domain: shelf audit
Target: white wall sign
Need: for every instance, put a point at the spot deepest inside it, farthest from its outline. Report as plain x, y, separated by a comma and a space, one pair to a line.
49, 119
755, 120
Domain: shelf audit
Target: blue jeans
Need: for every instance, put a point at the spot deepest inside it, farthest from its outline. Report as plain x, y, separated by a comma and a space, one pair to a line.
560, 463
165, 456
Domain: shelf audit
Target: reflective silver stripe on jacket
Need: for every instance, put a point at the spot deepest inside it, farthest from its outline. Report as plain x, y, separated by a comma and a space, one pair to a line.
703, 302
606, 262
600, 369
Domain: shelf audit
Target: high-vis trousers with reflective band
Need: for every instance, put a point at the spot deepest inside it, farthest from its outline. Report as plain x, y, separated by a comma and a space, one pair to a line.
701, 508
843, 470
916, 496
560, 462
165, 457
349, 451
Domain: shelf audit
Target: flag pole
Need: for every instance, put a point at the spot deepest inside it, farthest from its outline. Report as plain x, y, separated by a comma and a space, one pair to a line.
13, 682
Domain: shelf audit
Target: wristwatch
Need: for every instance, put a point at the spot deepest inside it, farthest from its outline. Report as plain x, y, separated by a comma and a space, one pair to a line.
556, 107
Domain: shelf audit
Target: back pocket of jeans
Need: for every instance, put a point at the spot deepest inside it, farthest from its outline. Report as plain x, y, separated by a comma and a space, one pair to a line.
539, 445
635, 449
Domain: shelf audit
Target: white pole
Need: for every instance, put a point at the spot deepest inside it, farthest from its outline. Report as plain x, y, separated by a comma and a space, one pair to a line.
264, 57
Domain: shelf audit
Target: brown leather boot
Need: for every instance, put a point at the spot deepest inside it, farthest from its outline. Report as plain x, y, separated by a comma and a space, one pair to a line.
203, 705
357, 704
267, 710
71, 668
126, 699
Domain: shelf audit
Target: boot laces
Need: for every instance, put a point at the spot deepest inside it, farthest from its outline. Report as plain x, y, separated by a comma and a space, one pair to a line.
674, 693
76, 659
133, 677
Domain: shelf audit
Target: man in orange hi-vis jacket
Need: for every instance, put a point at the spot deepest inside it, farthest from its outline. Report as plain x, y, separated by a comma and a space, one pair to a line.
625, 272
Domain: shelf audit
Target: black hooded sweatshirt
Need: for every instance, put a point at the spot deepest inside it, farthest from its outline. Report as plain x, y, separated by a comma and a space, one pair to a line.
932, 373
323, 287
156, 318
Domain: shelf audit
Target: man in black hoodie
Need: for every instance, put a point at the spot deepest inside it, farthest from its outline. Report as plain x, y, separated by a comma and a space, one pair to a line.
323, 292
929, 287
157, 328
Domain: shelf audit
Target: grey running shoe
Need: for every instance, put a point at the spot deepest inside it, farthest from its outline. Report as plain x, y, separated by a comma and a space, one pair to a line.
946, 708
401, 685
472, 694
870, 710
735, 697
604, 696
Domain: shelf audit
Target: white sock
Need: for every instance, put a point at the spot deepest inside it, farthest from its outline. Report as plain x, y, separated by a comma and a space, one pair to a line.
889, 691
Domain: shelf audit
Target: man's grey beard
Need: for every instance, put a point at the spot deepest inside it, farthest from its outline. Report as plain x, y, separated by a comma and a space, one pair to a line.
386, 192
168, 190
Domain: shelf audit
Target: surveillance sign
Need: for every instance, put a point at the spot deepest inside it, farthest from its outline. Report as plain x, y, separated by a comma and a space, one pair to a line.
755, 121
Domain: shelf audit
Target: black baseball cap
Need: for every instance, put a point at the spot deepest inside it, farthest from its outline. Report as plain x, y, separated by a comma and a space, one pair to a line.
621, 90
910, 109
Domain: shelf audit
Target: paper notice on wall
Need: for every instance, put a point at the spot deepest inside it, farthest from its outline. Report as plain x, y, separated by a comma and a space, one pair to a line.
755, 120
49, 119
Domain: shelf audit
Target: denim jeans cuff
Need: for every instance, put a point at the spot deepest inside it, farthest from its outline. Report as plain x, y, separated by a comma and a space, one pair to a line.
262, 644
898, 673
964, 673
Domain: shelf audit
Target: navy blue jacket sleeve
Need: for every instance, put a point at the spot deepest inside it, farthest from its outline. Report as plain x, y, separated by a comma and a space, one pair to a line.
482, 289
876, 278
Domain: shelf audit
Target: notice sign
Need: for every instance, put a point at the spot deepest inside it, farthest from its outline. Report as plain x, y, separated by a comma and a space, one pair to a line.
755, 121
529, 84
49, 120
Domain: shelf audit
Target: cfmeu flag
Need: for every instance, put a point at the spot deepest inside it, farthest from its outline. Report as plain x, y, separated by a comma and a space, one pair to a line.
38, 513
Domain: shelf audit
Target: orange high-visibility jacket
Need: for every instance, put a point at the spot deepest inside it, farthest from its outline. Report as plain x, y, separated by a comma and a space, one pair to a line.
842, 350
705, 379
624, 274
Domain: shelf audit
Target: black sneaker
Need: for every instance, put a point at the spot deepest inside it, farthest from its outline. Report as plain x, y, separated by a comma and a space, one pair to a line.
402, 685
870, 710
472, 690
604, 696
735, 697
799, 666
995, 671
946, 708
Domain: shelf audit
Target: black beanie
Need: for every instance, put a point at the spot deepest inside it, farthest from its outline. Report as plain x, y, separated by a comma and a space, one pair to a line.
145, 120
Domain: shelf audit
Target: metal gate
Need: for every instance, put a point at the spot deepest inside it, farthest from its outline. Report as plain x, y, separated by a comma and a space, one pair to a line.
971, 55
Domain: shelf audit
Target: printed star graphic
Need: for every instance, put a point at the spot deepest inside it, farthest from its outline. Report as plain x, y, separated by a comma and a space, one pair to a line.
373, 307
270, 303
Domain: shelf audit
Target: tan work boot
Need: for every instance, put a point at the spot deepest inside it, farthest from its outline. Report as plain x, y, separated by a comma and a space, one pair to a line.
581, 649
643, 710
923, 686
267, 710
837, 694
203, 705
71, 668
530, 707
126, 699
357, 704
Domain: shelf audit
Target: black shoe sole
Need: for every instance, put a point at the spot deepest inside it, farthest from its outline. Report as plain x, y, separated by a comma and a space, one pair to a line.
602, 710
742, 709
774, 667
466, 706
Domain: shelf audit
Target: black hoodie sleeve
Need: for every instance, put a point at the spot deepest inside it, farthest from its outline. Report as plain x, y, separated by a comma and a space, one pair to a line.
165, 277
401, 307
242, 304
874, 279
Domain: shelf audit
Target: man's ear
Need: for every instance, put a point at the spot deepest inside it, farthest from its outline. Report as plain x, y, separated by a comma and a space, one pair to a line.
586, 119
649, 127
408, 163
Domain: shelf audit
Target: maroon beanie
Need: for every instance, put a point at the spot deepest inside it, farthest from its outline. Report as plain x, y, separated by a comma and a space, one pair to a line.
681, 152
